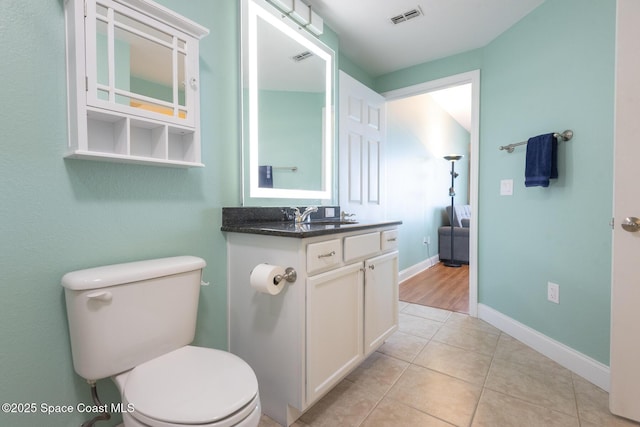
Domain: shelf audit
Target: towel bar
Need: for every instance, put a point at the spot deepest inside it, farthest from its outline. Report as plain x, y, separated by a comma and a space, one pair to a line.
564, 136
288, 168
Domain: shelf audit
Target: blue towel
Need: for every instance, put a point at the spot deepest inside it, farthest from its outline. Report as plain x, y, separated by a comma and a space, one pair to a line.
542, 160
265, 177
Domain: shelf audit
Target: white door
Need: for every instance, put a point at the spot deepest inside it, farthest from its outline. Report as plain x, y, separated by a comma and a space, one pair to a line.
334, 327
625, 304
362, 134
380, 300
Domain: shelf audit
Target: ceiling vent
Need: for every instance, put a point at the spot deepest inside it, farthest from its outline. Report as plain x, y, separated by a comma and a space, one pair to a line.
413, 13
302, 56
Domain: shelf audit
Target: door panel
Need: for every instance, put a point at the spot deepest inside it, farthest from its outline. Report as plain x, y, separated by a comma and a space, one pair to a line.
362, 137
354, 179
625, 295
334, 327
380, 300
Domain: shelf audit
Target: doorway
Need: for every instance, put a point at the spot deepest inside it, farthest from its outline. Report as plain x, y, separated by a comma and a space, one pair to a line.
433, 169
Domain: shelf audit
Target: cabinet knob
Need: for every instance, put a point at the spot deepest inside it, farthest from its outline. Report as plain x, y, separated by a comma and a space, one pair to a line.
372, 267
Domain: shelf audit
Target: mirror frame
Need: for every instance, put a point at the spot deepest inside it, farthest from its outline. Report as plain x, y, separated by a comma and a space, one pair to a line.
251, 11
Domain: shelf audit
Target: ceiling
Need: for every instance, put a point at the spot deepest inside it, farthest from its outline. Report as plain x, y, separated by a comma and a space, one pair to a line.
456, 101
444, 28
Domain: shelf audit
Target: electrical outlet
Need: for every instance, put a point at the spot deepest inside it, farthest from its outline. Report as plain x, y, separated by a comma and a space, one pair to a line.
553, 292
426, 240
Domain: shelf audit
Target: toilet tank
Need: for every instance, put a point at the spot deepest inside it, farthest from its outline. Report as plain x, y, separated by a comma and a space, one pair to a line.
124, 314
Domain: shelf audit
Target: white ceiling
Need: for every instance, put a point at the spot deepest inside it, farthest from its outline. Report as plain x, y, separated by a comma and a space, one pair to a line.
457, 102
448, 27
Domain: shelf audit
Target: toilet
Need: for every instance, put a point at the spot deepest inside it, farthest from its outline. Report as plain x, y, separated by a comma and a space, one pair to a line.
134, 322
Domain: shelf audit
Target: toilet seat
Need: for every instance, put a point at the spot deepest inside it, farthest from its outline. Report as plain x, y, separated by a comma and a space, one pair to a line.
191, 386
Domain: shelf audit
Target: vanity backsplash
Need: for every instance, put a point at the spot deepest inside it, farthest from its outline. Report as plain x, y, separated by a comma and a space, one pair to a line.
253, 215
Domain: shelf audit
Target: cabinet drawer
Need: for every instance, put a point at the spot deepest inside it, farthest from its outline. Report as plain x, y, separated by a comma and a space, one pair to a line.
361, 246
323, 254
389, 240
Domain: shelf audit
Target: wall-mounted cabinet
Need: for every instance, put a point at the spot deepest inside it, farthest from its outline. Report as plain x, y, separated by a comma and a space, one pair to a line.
133, 83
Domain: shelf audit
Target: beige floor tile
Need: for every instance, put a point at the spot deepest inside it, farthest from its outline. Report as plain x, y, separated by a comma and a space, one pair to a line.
432, 313
431, 373
418, 326
378, 373
463, 364
403, 346
436, 394
391, 413
466, 321
467, 338
498, 410
347, 405
536, 386
267, 422
593, 405
512, 350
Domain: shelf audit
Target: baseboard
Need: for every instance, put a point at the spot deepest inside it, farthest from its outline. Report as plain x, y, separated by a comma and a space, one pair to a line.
418, 268
588, 368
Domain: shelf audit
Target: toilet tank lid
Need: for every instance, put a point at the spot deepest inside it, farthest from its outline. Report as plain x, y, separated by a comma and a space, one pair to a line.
119, 274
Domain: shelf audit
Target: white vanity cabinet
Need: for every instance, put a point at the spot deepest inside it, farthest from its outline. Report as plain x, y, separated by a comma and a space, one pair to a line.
335, 327
304, 340
132, 82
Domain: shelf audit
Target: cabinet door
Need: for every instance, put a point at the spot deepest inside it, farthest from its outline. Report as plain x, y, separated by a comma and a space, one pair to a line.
334, 327
380, 300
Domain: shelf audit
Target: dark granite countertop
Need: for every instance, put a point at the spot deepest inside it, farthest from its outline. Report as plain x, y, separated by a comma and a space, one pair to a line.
278, 221
310, 229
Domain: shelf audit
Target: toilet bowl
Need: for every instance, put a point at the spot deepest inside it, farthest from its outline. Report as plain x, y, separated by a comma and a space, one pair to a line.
134, 322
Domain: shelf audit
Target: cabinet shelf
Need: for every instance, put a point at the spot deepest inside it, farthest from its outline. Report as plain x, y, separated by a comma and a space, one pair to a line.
114, 137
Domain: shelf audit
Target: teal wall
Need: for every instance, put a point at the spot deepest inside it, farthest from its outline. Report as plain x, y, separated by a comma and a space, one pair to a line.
421, 73
528, 88
59, 215
419, 134
349, 67
547, 73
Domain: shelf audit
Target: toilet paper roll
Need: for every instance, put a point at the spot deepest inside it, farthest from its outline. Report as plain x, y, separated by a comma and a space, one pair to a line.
262, 278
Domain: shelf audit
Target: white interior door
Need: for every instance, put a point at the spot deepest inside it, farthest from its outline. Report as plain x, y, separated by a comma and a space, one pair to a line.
625, 304
362, 135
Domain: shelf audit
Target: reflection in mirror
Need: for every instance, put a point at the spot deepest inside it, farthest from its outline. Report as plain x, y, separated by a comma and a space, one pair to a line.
288, 110
148, 65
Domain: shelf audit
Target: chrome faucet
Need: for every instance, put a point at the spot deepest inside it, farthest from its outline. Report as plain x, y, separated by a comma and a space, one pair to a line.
304, 217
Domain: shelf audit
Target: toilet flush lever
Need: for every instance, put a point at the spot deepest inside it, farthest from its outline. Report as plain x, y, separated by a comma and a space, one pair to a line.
100, 296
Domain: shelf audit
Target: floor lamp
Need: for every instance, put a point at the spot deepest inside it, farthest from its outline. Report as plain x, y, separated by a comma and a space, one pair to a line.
452, 192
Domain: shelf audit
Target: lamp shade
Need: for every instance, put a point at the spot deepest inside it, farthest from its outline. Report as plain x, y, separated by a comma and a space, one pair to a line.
453, 157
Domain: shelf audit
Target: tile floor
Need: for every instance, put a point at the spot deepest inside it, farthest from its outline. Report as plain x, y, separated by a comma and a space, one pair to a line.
443, 369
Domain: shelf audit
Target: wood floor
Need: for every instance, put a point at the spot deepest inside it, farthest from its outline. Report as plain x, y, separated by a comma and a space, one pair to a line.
439, 286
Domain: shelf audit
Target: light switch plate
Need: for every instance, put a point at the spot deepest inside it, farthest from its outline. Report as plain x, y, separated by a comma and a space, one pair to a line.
506, 187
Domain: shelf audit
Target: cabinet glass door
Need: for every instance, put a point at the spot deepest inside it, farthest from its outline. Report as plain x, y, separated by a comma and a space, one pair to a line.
136, 65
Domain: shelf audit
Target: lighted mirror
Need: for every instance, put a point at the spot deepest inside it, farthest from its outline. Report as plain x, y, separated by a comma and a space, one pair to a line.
287, 108
137, 67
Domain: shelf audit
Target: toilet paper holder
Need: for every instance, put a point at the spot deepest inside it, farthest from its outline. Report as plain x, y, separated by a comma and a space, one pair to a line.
289, 275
